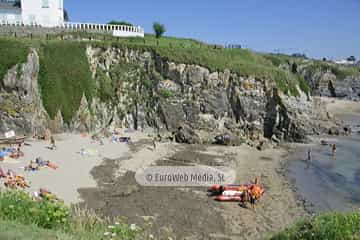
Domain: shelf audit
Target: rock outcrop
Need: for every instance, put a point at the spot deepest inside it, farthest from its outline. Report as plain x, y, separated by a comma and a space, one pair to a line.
21, 108
139, 89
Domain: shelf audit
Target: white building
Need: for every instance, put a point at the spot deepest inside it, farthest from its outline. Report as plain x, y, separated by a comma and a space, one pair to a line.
50, 13
46, 13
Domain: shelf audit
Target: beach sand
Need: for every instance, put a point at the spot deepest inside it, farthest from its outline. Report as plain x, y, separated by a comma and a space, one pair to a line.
105, 182
341, 108
74, 170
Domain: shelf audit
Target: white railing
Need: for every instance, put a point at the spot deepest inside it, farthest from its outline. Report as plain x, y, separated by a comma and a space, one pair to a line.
116, 30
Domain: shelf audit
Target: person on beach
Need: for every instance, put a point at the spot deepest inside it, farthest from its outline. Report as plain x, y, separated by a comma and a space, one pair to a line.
154, 144
309, 155
52, 143
333, 149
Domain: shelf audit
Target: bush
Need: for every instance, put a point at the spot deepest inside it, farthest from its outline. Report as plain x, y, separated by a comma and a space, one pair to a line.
328, 226
19, 206
166, 93
113, 22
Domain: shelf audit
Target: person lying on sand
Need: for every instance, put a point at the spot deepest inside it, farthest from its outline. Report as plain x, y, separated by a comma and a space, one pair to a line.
2, 173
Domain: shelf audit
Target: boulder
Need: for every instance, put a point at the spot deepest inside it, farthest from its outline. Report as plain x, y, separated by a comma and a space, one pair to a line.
185, 134
228, 139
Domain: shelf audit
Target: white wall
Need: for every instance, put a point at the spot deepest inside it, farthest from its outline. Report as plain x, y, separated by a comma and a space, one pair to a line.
33, 12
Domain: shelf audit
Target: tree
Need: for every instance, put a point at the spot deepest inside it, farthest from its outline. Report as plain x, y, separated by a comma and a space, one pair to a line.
17, 4
351, 59
159, 29
66, 16
113, 22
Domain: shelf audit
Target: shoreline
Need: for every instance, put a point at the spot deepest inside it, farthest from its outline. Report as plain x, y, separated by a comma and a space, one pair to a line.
344, 110
107, 185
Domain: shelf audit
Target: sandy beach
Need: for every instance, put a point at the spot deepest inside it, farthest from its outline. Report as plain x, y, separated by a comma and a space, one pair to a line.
105, 181
341, 108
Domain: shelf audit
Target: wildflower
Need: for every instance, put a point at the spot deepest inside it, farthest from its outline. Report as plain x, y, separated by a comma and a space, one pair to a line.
133, 227
106, 233
151, 236
117, 223
111, 227
113, 235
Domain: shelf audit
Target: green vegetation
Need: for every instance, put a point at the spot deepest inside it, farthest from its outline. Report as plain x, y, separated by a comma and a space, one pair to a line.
18, 206
11, 53
342, 226
159, 29
23, 218
166, 93
64, 77
65, 74
341, 72
113, 22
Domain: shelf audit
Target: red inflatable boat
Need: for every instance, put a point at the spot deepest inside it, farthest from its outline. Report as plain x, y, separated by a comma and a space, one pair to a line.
234, 193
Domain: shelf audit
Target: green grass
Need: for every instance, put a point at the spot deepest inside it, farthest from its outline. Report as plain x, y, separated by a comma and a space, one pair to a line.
11, 230
65, 74
21, 217
11, 53
341, 72
64, 77
339, 226
18, 206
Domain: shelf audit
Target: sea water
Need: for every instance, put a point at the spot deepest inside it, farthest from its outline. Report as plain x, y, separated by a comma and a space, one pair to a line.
330, 182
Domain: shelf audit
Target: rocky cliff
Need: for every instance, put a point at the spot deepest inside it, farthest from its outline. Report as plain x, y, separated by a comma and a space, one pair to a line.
327, 78
140, 89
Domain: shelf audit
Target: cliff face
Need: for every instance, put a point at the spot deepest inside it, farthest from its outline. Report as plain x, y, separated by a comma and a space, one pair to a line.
141, 90
21, 106
329, 79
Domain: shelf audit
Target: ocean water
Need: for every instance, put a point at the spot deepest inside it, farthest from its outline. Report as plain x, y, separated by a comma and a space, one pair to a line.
327, 182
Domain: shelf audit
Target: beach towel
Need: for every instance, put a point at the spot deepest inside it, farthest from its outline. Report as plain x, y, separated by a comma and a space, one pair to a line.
2, 173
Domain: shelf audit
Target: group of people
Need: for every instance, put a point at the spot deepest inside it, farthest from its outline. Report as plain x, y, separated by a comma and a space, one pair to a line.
12, 152
252, 194
38, 163
47, 137
12, 180
333, 152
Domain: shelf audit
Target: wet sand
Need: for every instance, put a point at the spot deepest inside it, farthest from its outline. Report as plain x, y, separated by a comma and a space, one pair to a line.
189, 213
105, 182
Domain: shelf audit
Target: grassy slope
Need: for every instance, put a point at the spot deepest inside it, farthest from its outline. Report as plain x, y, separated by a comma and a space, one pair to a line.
65, 74
64, 77
341, 226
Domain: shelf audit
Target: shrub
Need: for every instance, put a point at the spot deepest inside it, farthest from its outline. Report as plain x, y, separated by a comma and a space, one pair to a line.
323, 227
166, 93
113, 22
122, 231
19, 206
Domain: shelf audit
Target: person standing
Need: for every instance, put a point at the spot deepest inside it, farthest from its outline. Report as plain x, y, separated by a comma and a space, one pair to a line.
309, 155
154, 144
52, 143
333, 149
